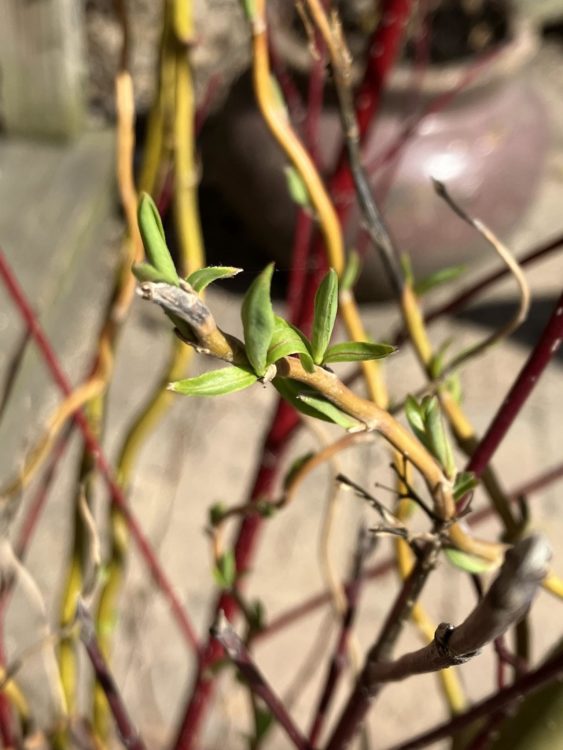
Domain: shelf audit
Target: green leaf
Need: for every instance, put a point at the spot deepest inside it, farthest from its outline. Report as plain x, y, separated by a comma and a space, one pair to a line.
263, 721
415, 418
215, 383
257, 615
443, 276
204, 276
286, 340
351, 271
436, 434
357, 351
225, 571
290, 390
453, 385
467, 562
465, 481
266, 509
146, 272
326, 306
307, 362
258, 320
330, 411
152, 232
249, 8
296, 187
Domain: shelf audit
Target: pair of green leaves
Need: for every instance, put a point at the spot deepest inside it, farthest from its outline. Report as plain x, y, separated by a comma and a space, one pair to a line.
326, 308
260, 331
269, 338
425, 419
160, 266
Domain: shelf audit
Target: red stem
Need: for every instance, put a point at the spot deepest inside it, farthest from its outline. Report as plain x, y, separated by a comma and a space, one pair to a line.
117, 497
339, 658
302, 285
524, 384
259, 686
383, 50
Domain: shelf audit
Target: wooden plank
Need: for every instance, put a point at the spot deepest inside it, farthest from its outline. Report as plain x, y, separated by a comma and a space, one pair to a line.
42, 66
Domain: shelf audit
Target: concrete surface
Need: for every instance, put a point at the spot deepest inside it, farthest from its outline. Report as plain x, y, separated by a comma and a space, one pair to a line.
204, 451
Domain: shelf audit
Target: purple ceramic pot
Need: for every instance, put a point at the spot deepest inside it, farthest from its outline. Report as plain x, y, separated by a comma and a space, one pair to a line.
489, 145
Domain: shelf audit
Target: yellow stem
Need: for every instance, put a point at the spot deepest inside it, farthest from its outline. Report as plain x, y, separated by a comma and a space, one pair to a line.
276, 119
175, 77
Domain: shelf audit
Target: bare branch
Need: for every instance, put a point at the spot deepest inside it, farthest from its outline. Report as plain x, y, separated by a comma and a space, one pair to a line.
237, 652
128, 734
505, 603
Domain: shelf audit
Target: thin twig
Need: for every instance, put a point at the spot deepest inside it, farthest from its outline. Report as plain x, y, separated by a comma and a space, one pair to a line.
463, 298
550, 670
37, 333
505, 603
504, 253
338, 661
237, 652
524, 384
365, 691
340, 62
128, 734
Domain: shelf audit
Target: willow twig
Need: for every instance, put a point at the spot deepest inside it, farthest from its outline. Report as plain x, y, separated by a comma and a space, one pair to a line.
183, 303
505, 603
524, 300
127, 732
550, 670
525, 382
338, 660
95, 448
239, 655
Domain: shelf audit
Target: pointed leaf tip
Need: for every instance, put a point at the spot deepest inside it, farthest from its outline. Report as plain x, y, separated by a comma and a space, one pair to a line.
326, 306
203, 277
258, 320
154, 241
357, 351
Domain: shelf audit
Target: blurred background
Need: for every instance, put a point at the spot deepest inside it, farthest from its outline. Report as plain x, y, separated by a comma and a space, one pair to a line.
476, 99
